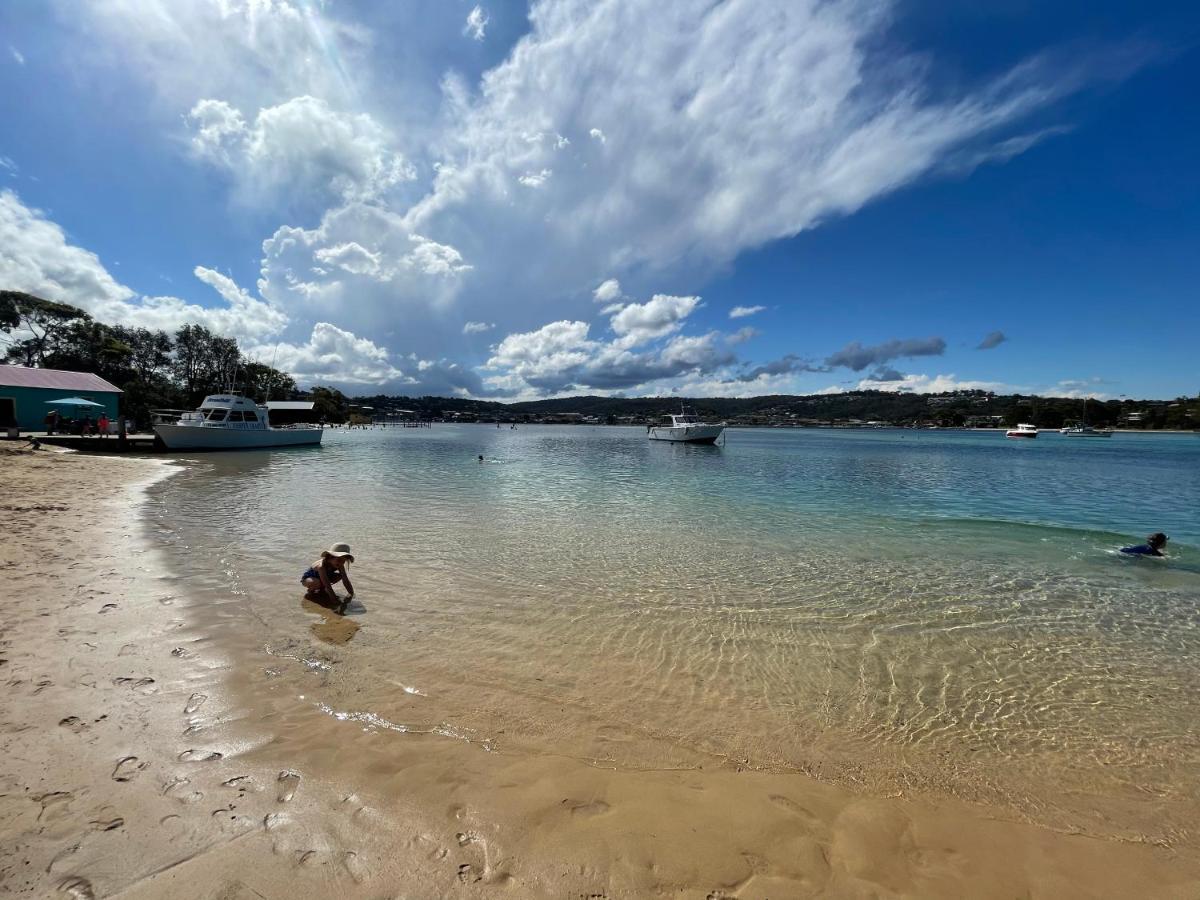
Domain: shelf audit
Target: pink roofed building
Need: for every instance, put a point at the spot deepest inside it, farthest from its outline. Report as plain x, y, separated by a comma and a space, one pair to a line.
25, 394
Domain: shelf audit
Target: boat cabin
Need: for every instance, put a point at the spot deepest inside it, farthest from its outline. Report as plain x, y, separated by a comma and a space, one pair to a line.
227, 411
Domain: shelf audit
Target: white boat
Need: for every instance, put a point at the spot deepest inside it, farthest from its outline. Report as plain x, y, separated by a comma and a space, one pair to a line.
685, 428
1083, 430
232, 422
1023, 430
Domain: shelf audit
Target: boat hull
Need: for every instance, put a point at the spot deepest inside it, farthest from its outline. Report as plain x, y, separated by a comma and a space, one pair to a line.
689, 434
192, 437
1087, 434
1020, 434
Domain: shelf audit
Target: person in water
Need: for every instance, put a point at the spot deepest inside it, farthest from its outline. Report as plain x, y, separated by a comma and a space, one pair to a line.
328, 571
1153, 546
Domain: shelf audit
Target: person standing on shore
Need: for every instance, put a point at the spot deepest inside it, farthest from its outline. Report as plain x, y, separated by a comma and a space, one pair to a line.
102, 425
327, 571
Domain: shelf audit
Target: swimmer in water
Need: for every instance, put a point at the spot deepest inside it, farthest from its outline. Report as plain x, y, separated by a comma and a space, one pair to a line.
1153, 546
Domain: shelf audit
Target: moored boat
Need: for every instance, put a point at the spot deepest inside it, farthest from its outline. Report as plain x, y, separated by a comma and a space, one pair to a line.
1023, 430
1088, 431
685, 428
232, 422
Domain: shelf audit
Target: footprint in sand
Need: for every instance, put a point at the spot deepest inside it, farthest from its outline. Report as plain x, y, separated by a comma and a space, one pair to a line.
305, 857
194, 703
200, 756
75, 723
586, 809
289, 781
108, 607
128, 768
796, 809
145, 685
51, 804
108, 824
77, 889
355, 866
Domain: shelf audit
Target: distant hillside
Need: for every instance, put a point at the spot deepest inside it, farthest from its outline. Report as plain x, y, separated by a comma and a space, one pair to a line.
956, 408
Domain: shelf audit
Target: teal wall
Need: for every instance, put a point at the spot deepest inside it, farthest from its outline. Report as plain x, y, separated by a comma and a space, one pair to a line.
32, 406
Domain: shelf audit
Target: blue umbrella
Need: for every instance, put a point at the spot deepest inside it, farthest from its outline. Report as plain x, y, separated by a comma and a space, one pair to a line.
73, 401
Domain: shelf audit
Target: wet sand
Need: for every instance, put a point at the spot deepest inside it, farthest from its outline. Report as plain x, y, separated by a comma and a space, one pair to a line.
150, 747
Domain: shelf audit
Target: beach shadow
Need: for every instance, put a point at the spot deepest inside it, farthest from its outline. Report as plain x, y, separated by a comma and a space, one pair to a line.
333, 627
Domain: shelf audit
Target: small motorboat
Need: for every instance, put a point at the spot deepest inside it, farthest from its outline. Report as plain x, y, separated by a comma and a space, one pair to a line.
685, 428
232, 422
1023, 430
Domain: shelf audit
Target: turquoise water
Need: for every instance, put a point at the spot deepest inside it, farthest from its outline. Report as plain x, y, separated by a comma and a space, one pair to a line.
939, 612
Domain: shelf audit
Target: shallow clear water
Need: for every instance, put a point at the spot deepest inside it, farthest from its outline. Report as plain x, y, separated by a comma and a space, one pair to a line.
930, 611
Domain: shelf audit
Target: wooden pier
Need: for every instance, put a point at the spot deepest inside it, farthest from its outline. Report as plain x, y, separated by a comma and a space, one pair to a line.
93, 443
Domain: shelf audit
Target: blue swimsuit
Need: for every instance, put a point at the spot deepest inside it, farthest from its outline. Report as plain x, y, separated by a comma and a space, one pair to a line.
1141, 550
334, 575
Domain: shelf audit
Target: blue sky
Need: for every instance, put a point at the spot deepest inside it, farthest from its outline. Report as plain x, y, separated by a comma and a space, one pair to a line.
565, 197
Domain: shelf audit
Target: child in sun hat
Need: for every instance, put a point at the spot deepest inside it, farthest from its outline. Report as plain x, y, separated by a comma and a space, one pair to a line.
327, 571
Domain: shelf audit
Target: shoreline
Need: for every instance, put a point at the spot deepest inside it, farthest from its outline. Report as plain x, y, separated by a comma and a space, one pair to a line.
105, 723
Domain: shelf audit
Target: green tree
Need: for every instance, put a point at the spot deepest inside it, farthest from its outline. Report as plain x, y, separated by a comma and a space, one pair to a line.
205, 363
43, 321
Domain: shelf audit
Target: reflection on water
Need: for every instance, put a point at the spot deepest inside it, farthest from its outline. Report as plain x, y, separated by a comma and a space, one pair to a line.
332, 627
902, 610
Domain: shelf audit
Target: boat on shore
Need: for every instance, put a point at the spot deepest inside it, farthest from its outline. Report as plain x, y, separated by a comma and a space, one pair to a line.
685, 428
1023, 430
232, 422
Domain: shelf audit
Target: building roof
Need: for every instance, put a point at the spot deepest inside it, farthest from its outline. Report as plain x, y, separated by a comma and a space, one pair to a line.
299, 405
55, 380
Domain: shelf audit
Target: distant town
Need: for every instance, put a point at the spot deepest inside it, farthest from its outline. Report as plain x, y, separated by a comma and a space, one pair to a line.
853, 409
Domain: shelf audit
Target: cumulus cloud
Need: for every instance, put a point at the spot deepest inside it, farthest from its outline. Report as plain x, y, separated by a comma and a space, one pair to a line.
663, 314
608, 291
993, 339
17, 55
731, 125
787, 365
856, 357
477, 327
740, 312
477, 22
563, 355
302, 145
886, 373
333, 354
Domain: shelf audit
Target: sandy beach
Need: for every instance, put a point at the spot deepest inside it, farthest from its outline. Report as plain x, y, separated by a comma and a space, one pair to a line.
152, 748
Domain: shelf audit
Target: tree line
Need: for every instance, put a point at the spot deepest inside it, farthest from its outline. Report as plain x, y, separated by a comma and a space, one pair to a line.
155, 369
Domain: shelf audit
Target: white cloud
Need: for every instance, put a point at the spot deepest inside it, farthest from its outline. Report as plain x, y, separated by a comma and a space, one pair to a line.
477, 22
478, 327
608, 291
732, 125
302, 145
663, 314
333, 355
7, 165
17, 55
535, 179
740, 312
350, 257
932, 384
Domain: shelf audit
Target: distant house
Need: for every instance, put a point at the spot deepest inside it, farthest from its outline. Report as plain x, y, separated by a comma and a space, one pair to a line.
291, 412
25, 392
